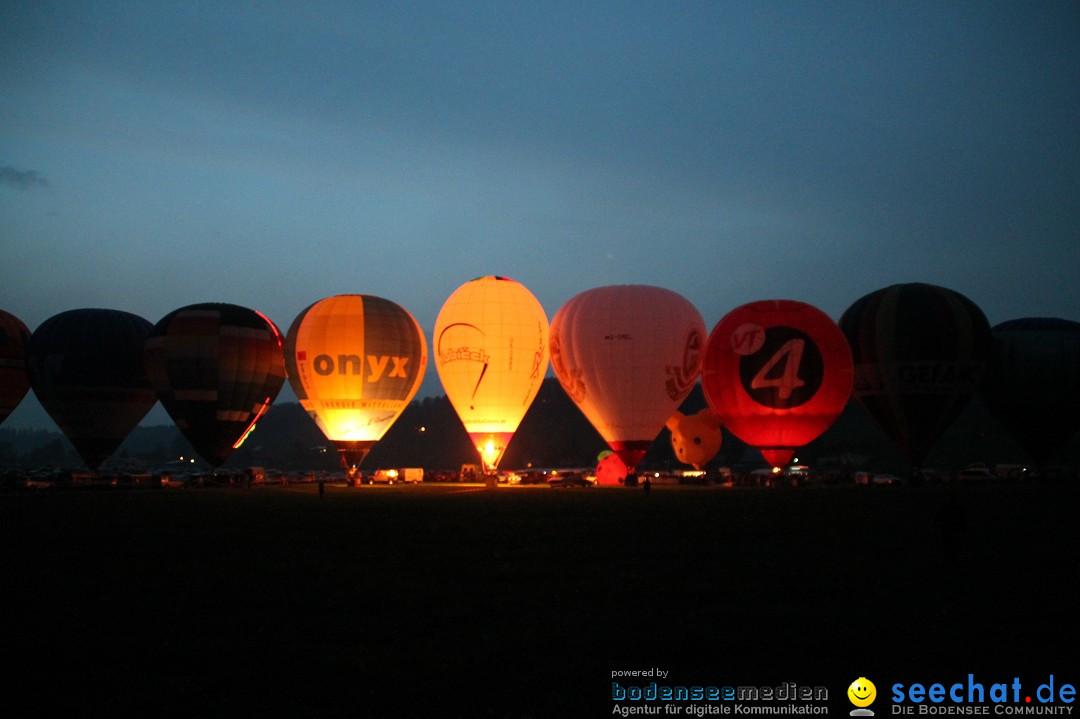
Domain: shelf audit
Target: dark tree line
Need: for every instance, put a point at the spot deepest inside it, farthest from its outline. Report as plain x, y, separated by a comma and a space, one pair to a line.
554, 433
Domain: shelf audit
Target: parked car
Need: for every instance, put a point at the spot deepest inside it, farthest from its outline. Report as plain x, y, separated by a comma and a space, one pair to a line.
175, 480
975, 474
532, 476
568, 479
384, 476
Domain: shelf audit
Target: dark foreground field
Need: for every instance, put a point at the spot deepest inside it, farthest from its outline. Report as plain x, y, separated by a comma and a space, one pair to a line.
433, 601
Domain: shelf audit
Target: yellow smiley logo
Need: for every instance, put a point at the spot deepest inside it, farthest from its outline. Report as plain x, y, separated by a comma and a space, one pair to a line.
862, 692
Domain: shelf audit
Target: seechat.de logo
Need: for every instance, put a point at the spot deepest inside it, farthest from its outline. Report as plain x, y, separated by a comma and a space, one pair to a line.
862, 693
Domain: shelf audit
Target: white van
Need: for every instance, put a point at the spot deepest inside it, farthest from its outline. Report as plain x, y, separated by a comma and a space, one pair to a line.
412, 475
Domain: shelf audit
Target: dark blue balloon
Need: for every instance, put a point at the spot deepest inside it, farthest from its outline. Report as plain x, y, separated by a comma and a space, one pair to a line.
86, 369
1032, 384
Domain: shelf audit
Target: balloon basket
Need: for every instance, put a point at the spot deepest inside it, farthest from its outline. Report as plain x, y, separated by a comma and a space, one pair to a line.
352, 455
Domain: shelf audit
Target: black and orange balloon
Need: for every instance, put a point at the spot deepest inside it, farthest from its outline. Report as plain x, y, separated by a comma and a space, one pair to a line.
1032, 384
355, 363
216, 368
920, 352
14, 380
86, 369
777, 373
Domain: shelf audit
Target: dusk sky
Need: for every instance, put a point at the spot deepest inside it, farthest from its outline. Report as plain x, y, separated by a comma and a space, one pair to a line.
270, 154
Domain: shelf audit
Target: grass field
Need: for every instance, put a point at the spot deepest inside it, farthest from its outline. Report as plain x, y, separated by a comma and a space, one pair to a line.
518, 602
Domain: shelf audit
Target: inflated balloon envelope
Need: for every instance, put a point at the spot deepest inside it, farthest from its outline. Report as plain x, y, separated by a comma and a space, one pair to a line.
920, 352
490, 349
86, 369
1032, 385
14, 379
216, 368
696, 438
627, 355
355, 363
778, 373
610, 470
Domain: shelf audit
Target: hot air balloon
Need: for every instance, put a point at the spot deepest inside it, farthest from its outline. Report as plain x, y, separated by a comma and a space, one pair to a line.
1032, 383
14, 380
355, 362
627, 355
610, 470
491, 351
920, 352
778, 373
216, 369
86, 369
696, 438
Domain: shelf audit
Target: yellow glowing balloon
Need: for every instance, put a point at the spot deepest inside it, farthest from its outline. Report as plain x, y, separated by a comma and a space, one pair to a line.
355, 362
491, 351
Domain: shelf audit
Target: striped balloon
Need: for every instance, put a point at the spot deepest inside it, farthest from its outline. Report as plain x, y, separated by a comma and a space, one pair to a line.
920, 352
14, 380
216, 369
86, 369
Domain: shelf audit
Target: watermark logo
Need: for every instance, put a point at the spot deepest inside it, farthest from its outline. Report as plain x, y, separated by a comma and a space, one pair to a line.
862, 694
977, 697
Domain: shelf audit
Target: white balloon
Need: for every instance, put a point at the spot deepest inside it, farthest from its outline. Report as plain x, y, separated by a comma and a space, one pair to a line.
628, 355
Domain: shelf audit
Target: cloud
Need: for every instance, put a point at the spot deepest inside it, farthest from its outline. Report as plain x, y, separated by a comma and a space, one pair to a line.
22, 179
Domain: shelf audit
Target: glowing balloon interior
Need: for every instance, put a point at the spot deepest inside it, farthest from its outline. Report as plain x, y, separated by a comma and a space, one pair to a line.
627, 355
14, 379
490, 349
610, 470
86, 369
696, 438
216, 369
778, 373
355, 362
